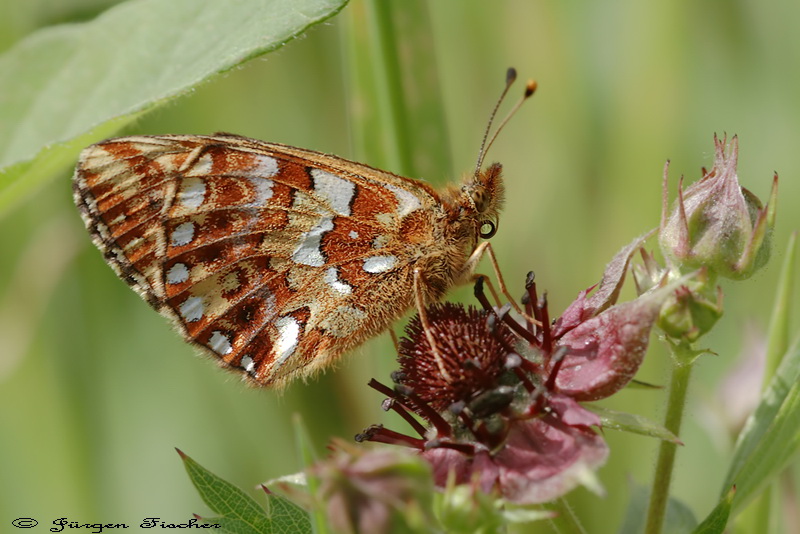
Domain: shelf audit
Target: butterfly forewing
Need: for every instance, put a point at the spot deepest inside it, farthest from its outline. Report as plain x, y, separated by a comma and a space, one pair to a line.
274, 258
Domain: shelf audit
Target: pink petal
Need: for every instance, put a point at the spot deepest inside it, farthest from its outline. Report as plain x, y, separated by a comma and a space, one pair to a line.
606, 351
545, 458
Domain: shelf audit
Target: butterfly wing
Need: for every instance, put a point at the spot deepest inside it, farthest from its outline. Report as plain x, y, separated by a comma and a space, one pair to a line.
273, 258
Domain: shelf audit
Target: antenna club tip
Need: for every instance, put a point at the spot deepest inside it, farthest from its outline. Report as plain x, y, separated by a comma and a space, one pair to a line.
530, 88
511, 75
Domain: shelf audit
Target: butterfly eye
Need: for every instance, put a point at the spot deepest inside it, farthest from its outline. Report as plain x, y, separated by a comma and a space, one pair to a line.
480, 199
491, 229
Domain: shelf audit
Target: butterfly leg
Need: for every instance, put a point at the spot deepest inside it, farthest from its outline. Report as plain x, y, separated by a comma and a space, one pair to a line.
471, 265
426, 326
475, 257
395, 342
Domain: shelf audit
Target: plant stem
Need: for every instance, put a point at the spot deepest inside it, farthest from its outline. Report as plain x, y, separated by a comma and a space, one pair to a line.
566, 522
659, 494
389, 83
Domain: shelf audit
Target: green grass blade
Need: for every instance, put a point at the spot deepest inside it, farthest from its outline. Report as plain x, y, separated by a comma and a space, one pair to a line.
306, 452
717, 520
757, 515
771, 436
778, 336
396, 104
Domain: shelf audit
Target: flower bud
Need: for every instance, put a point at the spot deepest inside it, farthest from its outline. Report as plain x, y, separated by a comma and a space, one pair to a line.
375, 491
465, 506
689, 312
718, 224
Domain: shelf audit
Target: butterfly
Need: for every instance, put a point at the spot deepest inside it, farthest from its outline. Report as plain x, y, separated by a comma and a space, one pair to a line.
276, 259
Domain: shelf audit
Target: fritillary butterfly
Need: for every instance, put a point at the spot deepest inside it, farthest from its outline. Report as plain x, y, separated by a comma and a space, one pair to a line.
277, 259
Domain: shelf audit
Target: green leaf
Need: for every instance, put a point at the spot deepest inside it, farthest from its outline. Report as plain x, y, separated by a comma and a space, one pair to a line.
629, 422
64, 87
717, 520
678, 519
241, 514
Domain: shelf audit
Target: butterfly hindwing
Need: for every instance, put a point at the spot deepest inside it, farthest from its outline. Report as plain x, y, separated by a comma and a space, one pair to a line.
274, 258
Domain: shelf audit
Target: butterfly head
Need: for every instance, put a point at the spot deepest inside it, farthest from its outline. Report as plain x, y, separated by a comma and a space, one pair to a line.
481, 199
482, 195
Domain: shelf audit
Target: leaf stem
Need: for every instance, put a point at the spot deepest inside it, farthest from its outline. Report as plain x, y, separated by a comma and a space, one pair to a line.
679, 384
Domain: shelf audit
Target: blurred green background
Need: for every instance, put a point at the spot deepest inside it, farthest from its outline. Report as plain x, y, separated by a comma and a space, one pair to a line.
96, 389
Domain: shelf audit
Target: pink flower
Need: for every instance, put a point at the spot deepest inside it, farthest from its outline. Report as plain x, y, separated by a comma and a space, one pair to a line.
541, 459
500, 395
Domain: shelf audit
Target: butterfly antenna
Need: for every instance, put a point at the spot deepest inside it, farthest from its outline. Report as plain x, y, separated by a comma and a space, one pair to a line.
530, 88
511, 76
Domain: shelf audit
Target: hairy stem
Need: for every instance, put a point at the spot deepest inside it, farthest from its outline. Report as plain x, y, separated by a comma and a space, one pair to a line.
566, 522
679, 384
